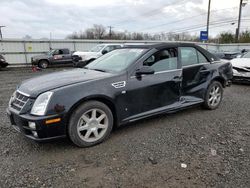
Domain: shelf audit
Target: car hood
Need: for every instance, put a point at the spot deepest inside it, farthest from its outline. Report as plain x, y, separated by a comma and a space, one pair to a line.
40, 84
85, 53
241, 67
241, 62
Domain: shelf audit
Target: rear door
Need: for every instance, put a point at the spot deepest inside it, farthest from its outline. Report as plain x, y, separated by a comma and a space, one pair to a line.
195, 71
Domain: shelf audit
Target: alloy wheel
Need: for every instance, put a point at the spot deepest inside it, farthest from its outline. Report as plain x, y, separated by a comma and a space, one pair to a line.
92, 125
214, 96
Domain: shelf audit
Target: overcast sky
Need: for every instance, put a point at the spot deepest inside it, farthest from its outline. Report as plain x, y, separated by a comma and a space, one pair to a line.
38, 18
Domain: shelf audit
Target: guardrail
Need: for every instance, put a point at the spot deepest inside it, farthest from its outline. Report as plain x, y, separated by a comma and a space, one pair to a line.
18, 51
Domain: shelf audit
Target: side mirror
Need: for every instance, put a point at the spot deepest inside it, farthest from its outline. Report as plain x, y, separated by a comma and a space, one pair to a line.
144, 70
104, 52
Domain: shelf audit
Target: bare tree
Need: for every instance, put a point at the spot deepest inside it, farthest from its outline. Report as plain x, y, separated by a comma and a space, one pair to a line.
99, 31
90, 33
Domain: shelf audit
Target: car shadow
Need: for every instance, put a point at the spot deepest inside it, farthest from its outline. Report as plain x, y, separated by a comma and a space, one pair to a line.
152, 121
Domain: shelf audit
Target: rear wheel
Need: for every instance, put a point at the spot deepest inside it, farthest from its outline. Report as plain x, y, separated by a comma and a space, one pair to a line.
90, 124
43, 64
213, 96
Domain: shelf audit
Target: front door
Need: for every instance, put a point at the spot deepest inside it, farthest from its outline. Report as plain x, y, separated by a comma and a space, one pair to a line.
155, 92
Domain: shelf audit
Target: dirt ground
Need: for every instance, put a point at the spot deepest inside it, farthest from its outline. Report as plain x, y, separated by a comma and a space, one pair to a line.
192, 148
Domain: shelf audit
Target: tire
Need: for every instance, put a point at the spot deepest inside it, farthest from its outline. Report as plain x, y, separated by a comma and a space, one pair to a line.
43, 64
213, 96
85, 129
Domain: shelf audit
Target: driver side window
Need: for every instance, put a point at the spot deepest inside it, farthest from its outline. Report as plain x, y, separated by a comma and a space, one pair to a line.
163, 60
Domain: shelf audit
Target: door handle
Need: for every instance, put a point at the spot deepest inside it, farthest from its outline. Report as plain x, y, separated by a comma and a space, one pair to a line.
177, 79
204, 71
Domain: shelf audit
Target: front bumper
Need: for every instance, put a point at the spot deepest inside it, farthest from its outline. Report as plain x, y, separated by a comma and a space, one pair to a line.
44, 132
34, 61
241, 79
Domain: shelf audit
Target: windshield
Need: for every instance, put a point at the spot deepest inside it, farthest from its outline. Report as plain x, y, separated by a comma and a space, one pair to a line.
116, 60
247, 55
97, 48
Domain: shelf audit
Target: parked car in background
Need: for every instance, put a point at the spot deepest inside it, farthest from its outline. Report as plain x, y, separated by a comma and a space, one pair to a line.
53, 57
122, 86
3, 62
241, 68
227, 55
96, 52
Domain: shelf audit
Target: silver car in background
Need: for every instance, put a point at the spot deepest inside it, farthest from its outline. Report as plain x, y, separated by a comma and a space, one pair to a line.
241, 68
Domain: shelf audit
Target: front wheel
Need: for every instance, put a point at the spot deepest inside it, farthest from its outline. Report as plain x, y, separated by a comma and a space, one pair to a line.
43, 64
90, 124
213, 96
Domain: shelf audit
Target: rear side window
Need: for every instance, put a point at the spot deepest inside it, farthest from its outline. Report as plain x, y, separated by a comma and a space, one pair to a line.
191, 56
163, 60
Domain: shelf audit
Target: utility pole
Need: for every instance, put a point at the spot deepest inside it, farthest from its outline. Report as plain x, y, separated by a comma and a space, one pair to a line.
208, 17
239, 19
110, 31
242, 4
50, 37
1, 35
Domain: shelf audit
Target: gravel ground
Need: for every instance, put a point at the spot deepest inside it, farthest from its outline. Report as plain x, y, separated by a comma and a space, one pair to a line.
192, 148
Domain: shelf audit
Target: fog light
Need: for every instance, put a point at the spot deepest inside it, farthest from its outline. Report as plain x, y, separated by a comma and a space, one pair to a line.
34, 133
32, 125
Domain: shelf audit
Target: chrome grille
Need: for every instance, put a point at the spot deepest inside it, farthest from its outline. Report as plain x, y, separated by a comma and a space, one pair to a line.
19, 100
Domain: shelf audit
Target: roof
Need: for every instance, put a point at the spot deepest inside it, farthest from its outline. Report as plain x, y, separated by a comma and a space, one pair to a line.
159, 45
108, 44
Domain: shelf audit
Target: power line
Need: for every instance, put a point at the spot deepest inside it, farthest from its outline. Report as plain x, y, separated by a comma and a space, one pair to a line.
198, 27
191, 17
150, 13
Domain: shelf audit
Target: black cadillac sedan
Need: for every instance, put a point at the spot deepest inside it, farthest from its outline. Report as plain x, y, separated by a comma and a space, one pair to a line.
122, 86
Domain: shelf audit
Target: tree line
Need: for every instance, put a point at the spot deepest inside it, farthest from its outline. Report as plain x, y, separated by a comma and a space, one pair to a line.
101, 32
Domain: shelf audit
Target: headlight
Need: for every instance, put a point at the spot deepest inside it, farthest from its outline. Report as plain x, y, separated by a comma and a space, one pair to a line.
40, 106
236, 73
12, 98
